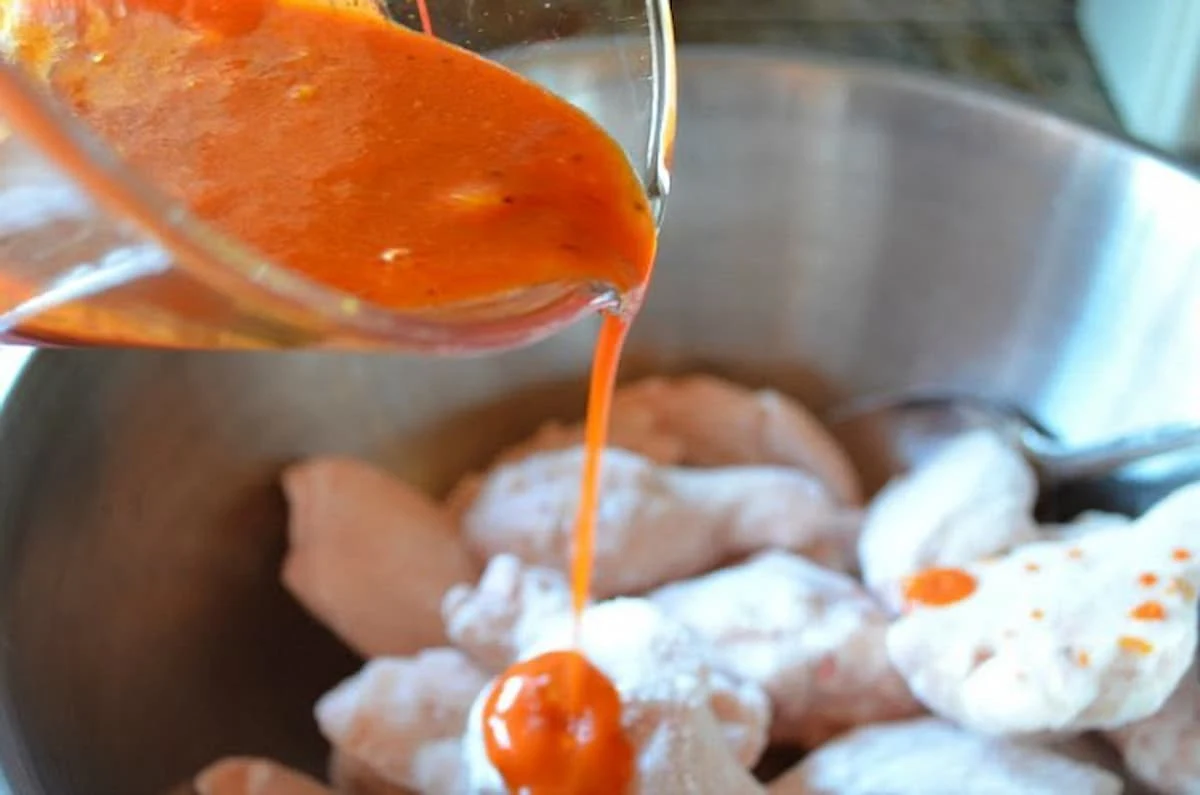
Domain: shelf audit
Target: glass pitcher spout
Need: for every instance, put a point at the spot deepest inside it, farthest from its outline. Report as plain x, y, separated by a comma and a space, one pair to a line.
92, 253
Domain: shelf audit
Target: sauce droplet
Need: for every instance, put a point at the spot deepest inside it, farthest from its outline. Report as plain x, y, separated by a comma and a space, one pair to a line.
1134, 645
1181, 555
939, 587
552, 726
1148, 580
1149, 611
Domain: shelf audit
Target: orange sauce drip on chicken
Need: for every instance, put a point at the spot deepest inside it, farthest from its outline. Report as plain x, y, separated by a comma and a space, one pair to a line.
1149, 611
939, 587
553, 727
542, 748
1135, 645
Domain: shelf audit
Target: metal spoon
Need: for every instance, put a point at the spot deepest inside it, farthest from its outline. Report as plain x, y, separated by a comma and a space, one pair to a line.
918, 420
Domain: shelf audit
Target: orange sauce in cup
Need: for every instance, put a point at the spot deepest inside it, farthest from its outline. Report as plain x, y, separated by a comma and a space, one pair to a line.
370, 158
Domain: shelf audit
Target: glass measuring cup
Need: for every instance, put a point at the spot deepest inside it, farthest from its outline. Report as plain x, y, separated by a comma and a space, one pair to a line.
91, 253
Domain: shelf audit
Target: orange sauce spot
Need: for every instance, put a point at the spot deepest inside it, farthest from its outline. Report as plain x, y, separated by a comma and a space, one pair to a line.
1075, 553
552, 726
939, 587
1083, 659
1149, 611
1037, 615
1032, 567
1134, 645
1181, 555
1148, 580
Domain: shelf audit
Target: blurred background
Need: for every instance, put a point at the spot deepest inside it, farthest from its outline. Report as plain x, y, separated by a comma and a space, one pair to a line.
1128, 66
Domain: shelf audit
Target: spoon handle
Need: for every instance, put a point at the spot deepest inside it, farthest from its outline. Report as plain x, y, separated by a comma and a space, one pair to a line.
1057, 464
997, 411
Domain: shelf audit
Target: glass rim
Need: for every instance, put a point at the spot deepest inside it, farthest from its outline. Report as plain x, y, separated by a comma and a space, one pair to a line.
221, 262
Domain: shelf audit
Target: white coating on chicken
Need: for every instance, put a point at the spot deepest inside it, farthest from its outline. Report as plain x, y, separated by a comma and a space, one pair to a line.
1163, 750
1091, 632
403, 718
655, 524
971, 500
505, 611
518, 610
702, 421
930, 756
694, 729
813, 638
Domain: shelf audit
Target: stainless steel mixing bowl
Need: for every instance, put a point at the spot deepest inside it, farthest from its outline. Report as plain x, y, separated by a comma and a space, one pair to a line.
834, 227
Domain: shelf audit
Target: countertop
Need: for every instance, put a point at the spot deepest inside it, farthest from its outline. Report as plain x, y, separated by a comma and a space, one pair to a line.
1031, 46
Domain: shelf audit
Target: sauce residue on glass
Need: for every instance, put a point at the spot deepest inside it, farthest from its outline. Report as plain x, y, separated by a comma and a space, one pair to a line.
373, 159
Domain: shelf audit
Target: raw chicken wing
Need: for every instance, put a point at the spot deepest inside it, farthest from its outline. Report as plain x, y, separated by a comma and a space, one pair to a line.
1087, 633
402, 719
694, 730
248, 776
703, 421
928, 756
505, 611
1163, 750
370, 556
724, 424
488, 623
811, 637
971, 500
655, 524
352, 777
